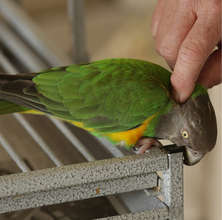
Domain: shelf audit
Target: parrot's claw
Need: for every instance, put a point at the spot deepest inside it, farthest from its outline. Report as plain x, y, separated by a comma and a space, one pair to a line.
144, 144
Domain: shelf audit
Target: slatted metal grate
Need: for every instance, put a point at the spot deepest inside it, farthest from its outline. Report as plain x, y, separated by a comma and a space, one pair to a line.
148, 186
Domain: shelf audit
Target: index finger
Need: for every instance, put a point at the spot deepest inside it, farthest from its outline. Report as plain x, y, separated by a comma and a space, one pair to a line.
192, 55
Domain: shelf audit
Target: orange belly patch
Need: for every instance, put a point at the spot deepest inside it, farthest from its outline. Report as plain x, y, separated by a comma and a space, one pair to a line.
130, 137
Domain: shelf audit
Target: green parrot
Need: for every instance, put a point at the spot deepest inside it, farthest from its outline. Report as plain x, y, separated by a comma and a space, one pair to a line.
128, 101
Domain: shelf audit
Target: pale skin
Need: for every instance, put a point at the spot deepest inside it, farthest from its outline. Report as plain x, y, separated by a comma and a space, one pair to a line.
188, 35
186, 32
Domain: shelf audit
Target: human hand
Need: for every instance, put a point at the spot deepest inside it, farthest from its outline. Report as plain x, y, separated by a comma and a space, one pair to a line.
186, 32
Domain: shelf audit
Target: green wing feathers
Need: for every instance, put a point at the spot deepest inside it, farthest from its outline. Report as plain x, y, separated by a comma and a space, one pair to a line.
108, 95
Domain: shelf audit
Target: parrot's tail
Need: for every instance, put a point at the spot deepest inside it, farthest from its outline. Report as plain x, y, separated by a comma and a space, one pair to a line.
16, 94
9, 107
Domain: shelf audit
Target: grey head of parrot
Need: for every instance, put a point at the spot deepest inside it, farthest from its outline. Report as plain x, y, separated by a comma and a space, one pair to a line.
192, 125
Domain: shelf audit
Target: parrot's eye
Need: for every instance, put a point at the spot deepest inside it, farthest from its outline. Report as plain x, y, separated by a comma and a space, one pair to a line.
185, 134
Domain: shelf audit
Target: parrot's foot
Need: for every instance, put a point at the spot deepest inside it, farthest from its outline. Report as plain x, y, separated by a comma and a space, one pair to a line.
144, 144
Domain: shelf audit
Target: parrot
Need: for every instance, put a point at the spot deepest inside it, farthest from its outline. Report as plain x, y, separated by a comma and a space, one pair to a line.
128, 101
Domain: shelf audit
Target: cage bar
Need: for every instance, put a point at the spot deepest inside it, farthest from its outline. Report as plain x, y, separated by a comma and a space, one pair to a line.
30, 32
13, 154
76, 14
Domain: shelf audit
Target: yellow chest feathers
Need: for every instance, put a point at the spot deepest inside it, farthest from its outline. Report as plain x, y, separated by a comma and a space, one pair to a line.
130, 137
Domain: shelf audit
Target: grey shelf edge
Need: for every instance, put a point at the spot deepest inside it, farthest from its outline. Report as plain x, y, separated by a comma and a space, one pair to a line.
81, 181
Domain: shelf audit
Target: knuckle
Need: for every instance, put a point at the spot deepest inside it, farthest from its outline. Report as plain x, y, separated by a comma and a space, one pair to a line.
192, 52
166, 51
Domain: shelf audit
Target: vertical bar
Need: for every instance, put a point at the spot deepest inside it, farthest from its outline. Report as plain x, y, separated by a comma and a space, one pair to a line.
19, 48
5, 64
73, 139
38, 139
76, 13
172, 186
17, 159
13, 14
116, 151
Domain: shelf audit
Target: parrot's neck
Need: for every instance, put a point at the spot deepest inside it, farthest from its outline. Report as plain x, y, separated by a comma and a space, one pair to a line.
164, 128
152, 130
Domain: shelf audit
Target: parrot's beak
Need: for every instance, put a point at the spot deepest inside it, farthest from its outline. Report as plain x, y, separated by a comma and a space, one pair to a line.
192, 157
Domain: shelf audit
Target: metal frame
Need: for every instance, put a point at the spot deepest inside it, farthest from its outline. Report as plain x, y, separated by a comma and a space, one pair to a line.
163, 200
80, 181
99, 178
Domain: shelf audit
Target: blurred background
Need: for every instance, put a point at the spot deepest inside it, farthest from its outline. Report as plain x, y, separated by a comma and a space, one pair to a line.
122, 29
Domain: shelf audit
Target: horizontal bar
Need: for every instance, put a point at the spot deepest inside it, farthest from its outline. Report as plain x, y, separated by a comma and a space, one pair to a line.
157, 214
76, 192
77, 174
81, 181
